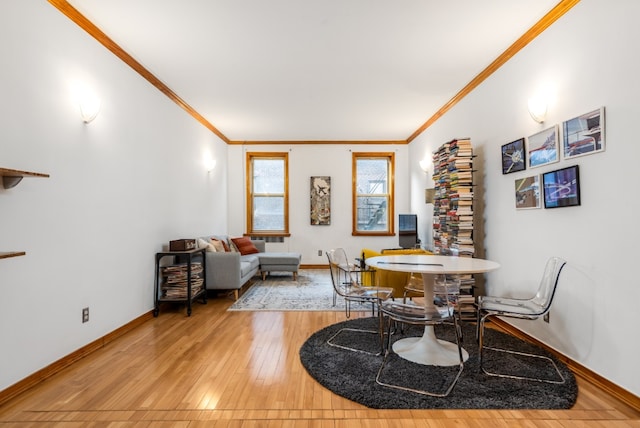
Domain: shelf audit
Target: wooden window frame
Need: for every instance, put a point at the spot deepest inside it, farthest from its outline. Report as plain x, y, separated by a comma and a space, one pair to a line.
390, 194
250, 156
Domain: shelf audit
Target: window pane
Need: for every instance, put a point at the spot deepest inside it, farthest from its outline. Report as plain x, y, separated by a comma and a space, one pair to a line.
372, 213
372, 176
268, 176
268, 213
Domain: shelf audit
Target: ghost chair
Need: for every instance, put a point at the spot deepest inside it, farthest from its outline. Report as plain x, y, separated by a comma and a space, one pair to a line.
441, 312
350, 272
528, 309
415, 288
346, 285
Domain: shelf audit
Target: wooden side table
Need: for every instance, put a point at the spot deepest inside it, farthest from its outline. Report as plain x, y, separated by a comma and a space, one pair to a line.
190, 255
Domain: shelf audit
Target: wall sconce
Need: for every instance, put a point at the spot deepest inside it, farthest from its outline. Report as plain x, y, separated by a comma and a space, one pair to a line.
424, 165
538, 108
210, 164
539, 103
89, 107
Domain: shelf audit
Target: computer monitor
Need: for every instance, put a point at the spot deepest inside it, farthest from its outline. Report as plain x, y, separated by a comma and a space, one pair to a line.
408, 230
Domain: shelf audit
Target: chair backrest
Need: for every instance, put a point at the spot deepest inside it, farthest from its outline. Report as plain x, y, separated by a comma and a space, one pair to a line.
341, 275
548, 284
446, 292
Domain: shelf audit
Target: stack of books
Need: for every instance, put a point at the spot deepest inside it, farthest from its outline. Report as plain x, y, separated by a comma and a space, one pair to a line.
453, 202
174, 285
453, 212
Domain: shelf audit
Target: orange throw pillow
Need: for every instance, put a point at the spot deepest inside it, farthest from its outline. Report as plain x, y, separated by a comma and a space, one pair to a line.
244, 245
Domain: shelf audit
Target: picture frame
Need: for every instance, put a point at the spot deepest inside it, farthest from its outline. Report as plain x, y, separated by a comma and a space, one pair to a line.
584, 134
320, 209
562, 187
542, 147
514, 157
528, 192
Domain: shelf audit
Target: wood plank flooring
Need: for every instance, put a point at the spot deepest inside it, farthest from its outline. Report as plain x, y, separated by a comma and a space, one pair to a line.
242, 369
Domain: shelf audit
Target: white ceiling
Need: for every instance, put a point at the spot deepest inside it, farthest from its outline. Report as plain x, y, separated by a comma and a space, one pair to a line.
315, 69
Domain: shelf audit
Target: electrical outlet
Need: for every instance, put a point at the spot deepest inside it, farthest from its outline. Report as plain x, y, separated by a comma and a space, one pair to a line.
85, 315
546, 317
320, 252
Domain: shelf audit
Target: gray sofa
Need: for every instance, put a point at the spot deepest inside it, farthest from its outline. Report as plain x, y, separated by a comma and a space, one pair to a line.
230, 270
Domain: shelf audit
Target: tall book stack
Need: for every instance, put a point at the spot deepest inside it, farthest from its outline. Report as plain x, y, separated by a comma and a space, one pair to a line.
453, 211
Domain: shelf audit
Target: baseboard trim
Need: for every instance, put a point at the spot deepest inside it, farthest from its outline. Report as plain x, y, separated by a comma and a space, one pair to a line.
578, 369
590, 376
324, 266
55, 367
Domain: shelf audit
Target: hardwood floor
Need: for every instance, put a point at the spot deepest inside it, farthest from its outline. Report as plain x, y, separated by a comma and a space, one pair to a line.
241, 369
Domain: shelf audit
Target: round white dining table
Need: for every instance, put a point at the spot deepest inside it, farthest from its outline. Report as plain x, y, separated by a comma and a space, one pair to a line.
428, 349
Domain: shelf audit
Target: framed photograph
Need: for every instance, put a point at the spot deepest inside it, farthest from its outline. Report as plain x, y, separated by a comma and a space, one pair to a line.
528, 193
513, 157
561, 187
320, 210
542, 147
583, 135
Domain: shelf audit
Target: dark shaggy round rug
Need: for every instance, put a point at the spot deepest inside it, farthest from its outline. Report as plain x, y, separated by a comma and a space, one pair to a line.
352, 374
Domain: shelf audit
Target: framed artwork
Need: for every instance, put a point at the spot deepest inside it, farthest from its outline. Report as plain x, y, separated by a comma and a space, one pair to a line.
542, 147
583, 135
429, 195
561, 187
528, 193
320, 212
513, 157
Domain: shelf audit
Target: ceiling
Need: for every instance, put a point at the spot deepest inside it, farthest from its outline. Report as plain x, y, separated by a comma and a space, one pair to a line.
315, 70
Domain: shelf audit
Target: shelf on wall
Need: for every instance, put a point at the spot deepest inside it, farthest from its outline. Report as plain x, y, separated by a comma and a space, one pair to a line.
9, 254
11, 177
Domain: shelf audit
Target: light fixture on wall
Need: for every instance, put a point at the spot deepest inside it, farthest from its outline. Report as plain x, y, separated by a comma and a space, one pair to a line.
424, 165
544, 97
538, 108
210, 164
89, 106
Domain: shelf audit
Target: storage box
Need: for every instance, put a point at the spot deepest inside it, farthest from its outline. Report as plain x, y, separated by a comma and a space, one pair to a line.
182, 245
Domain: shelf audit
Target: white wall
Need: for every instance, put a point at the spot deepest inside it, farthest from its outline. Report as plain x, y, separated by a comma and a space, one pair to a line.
589, 56
306, 161
120, 188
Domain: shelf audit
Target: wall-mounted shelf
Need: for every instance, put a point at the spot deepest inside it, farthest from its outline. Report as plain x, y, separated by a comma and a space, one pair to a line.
11, 177
8, 254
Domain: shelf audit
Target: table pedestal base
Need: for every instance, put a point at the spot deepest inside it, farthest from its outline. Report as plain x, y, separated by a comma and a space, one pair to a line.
429, 350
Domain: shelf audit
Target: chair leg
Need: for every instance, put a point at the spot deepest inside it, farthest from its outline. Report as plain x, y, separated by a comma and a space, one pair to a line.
330, 341
482, 348
418, 391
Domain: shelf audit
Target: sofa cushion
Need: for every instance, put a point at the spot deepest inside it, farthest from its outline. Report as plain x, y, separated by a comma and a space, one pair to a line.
220, 245
244, 245
280, 259
209, 247
251, 261
245, 267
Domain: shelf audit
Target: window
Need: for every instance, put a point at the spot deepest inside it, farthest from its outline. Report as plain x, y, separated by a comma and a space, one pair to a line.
373, 193
267, 194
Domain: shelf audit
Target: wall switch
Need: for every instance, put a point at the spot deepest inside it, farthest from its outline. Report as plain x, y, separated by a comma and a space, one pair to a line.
546, 317
85, 315
320, 252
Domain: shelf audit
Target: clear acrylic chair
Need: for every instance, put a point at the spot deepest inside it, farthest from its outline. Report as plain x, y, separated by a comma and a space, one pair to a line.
346, 285
442, 312
528, 309
415, 288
